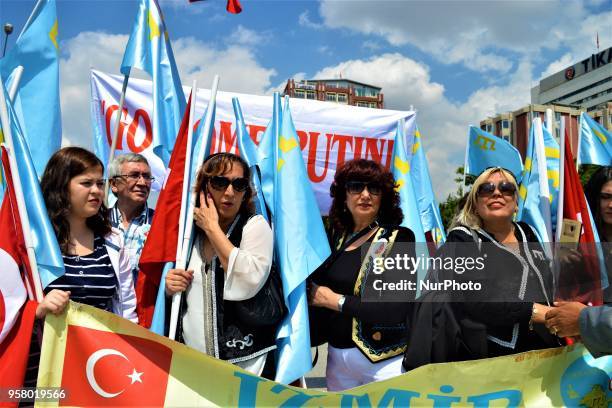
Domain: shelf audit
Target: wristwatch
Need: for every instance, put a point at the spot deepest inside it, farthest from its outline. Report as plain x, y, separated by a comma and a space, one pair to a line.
341, 302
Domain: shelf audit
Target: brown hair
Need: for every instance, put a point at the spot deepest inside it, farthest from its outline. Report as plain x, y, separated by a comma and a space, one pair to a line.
218, 164
63, 166
389, 213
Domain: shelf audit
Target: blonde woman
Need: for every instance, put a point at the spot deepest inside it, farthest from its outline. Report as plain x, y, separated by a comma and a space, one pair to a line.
516, 284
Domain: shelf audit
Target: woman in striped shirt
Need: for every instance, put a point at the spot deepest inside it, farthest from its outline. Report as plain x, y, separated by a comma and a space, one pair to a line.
97, 269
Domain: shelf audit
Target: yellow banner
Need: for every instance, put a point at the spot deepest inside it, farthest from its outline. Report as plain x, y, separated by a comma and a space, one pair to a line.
99, 359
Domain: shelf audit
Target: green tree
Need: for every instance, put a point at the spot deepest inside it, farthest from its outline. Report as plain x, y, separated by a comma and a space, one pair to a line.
448, 208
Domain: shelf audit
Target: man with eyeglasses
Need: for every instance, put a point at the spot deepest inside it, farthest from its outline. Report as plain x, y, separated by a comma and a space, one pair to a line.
130, 181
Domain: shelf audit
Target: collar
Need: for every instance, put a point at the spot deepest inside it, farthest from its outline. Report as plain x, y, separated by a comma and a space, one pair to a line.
142, 218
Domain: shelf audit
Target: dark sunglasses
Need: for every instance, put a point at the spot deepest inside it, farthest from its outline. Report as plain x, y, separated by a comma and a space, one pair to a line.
505, 187
221, 183
356, 187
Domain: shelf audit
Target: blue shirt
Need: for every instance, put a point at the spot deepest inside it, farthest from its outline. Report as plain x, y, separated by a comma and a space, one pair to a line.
135, 235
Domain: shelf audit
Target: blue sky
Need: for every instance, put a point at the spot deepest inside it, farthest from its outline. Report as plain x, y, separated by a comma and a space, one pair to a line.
456, 62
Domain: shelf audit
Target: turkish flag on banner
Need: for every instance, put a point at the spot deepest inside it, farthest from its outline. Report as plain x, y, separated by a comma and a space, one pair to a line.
110, 369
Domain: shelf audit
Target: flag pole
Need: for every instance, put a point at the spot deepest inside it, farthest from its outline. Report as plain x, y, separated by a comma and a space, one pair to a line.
12, 91
579, 143
561, 180
111, 155
23, 214
185, 240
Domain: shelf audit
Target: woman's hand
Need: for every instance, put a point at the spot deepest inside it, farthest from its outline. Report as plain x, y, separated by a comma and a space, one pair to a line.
206, 216
540, 315
54, 302
322, 296
178, 280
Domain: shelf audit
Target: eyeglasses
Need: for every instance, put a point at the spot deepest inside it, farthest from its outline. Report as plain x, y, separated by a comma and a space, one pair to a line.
221, 183
357, 187
134, 177
505, 188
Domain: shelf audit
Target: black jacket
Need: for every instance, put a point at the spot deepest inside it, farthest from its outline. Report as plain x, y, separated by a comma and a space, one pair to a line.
379, 327
510, 283
236, 338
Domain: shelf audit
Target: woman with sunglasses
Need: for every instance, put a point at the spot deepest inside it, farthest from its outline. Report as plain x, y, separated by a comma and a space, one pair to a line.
515, 282
97, 268
230, 262
365, 327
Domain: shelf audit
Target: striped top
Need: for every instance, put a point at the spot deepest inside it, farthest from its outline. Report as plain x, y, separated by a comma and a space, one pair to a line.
90, 279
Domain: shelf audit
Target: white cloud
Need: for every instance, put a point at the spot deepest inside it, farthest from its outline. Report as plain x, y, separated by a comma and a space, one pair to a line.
443, 124
477, 34
563, 62
247, 37
195, 60
371, 45
325, 50
304, 21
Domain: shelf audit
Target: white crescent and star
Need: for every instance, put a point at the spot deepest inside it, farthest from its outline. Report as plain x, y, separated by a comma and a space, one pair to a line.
89, 371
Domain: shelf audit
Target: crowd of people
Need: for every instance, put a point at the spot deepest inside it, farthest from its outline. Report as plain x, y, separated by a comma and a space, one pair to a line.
371, 335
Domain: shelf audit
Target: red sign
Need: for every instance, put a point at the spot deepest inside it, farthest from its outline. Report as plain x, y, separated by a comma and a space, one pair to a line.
109, 369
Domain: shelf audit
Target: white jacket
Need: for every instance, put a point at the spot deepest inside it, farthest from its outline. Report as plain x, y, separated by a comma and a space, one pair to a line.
124, 301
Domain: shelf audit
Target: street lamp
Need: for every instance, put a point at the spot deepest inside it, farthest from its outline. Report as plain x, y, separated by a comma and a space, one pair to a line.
8, 29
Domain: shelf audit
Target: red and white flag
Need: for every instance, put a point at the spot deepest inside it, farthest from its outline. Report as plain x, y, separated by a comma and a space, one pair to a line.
583, 282
162, 239
16, 320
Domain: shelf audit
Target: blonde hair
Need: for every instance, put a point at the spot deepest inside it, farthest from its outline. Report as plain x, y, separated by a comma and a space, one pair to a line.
468, 215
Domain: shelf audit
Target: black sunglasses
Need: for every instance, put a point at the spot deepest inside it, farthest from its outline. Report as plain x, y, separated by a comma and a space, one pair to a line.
221, 183
505, 188
356, 187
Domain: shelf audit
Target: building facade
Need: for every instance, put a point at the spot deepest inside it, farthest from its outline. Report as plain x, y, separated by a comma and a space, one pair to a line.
344, 91
587, 83
514, 127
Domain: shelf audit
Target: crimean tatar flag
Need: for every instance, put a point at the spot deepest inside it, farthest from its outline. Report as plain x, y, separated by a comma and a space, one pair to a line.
37, 102
149, 50
485, 150
48, 255
300, 243
595, 143
423, 189
534, 205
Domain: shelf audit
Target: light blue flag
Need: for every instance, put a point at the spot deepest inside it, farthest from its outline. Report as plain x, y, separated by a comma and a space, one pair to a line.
46, 248
485, 150
149, 50
300, 243
266, 157
595, 143
37, 102
158, 323
400, 167
428, 206
553, 163
534, 201
248, 151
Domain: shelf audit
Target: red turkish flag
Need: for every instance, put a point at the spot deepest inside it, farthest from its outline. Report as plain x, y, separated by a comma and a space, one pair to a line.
110, 369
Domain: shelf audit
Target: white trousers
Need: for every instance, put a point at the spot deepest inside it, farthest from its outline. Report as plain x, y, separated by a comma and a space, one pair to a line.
349, 368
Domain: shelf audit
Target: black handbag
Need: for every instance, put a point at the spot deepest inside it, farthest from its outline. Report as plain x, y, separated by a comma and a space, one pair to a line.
267, 307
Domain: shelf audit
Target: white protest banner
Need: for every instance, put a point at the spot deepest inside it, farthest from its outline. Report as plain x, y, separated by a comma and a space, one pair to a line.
329, 133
